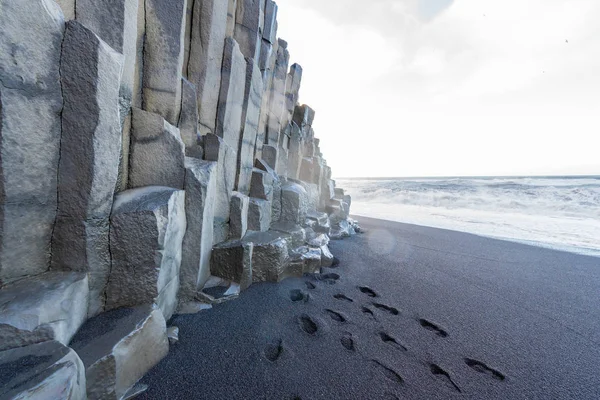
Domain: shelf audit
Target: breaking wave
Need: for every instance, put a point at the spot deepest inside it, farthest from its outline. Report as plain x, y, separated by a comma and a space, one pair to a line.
557, 212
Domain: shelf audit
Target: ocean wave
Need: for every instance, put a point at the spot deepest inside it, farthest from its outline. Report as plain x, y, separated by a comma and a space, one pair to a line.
552, 211
532, 196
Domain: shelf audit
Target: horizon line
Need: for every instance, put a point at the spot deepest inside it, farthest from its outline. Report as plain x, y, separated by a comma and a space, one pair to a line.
469, 176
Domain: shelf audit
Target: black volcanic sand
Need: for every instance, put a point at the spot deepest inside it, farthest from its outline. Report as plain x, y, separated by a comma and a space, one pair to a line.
417, 313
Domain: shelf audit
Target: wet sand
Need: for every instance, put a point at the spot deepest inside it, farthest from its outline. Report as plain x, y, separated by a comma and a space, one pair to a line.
411, 313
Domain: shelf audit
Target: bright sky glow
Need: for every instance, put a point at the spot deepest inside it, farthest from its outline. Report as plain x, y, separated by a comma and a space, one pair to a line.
442, 87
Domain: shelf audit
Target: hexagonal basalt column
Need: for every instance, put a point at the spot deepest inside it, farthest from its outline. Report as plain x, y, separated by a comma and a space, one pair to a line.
147, 229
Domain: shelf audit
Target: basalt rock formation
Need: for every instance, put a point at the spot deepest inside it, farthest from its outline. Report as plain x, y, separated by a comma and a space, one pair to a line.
154, 160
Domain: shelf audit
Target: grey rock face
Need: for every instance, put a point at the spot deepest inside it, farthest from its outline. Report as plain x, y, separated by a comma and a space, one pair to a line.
304, 117
283, 153
270, 24
312, 194
311, 170
209, 25
306, 260
250, 117
261, 185
247, 26
231, 97
341, 229
348, 200
157, 152
294, 203
259, 215
269, 256
292, 89
217, 150
318, 240
267, 62
238, 222
30, 130
277, 100
115, 22
200, 195
270, 156
118, 347
313, 260
296, 233
295, 152
231, 11
50, 306
68, 8
163, 57
90, 122
232, 260
338, 210
89, 157
187, 36
147, 229
45, 370
188, 119
326, 257
309, 149
276, 197
327, 192
173, 335
321, 218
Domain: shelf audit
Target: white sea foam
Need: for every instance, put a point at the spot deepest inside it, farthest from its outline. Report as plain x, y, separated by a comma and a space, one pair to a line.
562, 213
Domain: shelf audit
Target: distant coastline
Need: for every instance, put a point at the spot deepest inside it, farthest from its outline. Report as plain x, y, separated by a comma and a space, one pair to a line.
378, 178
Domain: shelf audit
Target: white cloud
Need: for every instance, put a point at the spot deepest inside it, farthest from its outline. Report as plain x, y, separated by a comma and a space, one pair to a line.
484, 87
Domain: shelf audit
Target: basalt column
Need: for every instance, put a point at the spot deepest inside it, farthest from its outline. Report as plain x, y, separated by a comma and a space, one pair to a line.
89, 157
30, 129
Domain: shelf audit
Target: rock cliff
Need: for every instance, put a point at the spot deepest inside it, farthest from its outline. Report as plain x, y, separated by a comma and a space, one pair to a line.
155, 159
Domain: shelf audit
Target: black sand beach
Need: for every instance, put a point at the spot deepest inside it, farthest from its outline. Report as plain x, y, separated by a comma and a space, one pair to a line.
416, 313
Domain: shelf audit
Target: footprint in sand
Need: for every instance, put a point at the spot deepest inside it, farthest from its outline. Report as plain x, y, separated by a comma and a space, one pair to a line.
368, 311
390, 340
308, 325
336, 316
391, 310
340, 296
368, 291
310, 285
329, 278
430, 326
484, 369
439, 371
348, 342
387, 372
273, 350
298, 295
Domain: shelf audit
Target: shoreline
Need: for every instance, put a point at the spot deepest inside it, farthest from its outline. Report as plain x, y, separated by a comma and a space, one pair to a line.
410, 312
584, 251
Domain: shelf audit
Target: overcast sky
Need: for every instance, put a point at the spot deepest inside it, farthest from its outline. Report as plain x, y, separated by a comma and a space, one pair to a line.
450, 87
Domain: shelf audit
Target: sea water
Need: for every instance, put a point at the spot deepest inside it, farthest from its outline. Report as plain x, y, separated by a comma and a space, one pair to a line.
556, 212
